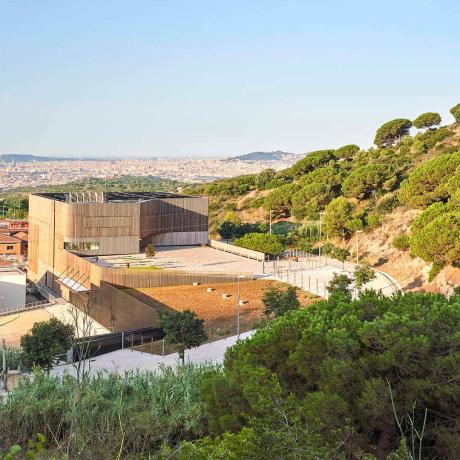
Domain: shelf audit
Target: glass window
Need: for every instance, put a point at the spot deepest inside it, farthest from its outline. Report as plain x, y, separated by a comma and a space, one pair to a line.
81, 246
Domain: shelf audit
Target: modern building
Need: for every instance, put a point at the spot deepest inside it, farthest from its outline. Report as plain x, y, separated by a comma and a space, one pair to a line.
12, 287
65, 225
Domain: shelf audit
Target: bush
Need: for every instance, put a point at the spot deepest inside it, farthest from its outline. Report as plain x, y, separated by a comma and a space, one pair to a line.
374, 220
277, 301
336, 361
269, 244
401, 242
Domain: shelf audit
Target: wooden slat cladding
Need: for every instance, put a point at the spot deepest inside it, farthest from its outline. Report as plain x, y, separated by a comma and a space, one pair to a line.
173, 215
114, 228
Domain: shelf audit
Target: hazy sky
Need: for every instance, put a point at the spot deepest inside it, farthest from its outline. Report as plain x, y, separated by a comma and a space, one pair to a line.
212, 78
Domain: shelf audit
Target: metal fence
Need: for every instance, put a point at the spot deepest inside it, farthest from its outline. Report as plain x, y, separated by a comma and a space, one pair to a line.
28, 306
106, 343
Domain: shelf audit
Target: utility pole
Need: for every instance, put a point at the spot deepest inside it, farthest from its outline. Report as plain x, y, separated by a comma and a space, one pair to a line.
271, 212
238, 307
357, 245
320, 235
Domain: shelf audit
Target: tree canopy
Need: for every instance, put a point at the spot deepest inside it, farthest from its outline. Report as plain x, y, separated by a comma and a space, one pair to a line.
347, 151
46, 343
183, 329
392, 132
269, 244
455, 111
336, 361
427, 120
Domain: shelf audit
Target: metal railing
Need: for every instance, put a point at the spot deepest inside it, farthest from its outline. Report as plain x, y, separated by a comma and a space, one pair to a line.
28, 306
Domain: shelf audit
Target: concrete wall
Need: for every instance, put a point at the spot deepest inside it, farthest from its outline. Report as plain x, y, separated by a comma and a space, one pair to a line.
12, 289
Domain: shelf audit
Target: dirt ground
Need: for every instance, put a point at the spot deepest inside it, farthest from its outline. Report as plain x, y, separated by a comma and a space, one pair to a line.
219, 313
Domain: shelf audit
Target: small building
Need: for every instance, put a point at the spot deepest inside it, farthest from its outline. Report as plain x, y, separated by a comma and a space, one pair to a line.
11, 248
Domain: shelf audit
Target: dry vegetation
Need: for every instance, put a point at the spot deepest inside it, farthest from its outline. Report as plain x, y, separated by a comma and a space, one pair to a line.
219, 313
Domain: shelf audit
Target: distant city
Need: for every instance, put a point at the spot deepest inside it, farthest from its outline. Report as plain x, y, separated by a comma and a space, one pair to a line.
32, 171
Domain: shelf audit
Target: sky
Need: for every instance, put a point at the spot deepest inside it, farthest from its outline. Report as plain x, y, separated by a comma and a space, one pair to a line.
218, 78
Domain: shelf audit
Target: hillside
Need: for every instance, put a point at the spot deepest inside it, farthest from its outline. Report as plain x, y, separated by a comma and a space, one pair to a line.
265, 156
402, 193
24, 158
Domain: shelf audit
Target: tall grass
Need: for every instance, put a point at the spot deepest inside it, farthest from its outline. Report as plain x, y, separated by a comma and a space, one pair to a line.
13, 359
109, 416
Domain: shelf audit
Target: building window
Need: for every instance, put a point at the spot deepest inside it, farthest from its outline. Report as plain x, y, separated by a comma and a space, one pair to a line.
9, 248
81, 246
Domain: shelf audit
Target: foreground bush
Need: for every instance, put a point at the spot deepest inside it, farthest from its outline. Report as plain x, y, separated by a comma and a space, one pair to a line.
336, 361
134, 413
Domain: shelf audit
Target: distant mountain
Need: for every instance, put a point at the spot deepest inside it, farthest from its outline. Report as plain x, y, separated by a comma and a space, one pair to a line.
265, 156
19, 158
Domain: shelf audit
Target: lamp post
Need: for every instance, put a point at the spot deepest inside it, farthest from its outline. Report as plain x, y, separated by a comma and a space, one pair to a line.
271, 212
320, 235
357, 245
238, 307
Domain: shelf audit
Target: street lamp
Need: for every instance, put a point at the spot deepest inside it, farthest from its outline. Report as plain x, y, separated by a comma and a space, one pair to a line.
357, 245
238, 307
320, 236
271, 212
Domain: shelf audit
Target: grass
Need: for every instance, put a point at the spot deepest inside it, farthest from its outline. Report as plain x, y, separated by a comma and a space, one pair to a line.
147, 268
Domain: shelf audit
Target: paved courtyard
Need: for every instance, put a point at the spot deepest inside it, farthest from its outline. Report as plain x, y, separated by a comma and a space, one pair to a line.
310, 273
121, 361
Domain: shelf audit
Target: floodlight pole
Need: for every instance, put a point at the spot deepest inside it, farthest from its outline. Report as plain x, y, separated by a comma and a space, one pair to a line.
357, 245
320, 235
238, 306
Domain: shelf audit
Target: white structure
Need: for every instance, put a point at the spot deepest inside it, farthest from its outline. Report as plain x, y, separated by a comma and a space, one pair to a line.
12, 288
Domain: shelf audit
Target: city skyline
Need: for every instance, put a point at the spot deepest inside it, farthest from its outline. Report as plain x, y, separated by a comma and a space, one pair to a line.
214, 79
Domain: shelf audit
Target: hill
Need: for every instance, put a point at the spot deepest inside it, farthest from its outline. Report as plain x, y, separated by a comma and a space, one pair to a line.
277, 155
402, 193
24, 158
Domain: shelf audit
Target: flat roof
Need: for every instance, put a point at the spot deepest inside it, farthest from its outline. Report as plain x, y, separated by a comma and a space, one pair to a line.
113, 197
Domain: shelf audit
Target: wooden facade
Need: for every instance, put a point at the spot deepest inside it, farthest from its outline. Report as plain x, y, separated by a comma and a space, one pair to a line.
61, 231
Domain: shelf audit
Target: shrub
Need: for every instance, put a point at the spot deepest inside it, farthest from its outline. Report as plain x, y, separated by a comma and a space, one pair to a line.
401, 242
374, 220
269, 244
337, 359
277, 301
392, 132
427, 120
